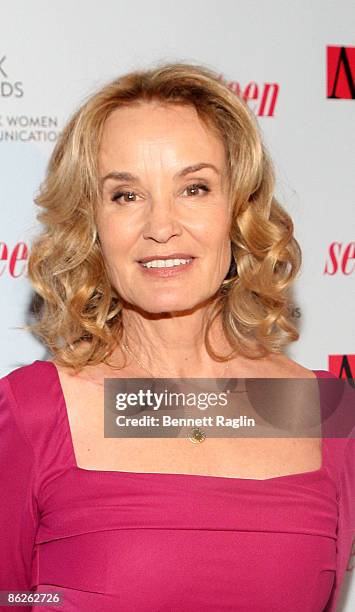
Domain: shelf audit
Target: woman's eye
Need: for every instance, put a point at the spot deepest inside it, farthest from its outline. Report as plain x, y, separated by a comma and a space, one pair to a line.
130, 196
194, 188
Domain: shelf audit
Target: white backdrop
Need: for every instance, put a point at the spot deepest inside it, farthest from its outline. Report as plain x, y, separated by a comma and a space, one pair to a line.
53, 54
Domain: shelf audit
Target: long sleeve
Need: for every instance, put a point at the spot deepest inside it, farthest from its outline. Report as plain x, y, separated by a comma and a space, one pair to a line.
346, 525
346, 501
18, 507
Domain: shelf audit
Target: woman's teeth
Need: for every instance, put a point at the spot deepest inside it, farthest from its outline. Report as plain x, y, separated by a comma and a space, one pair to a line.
166, 263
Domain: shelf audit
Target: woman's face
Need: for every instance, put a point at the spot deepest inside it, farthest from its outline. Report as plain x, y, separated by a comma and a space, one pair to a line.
164, 195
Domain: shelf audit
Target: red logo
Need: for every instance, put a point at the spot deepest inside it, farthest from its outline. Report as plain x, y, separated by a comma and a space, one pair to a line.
341, 258
343, 366
341, 73
261, 98
13, 260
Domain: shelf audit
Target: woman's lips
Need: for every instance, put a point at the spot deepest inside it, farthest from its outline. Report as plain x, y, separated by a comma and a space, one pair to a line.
170, 272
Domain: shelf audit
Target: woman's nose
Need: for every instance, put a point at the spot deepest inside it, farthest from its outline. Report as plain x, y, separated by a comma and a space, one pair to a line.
161, 222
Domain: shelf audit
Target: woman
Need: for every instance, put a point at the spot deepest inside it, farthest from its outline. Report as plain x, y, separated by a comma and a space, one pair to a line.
165, 254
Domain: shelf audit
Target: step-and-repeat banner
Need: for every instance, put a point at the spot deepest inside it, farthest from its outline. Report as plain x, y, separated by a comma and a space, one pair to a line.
294, 64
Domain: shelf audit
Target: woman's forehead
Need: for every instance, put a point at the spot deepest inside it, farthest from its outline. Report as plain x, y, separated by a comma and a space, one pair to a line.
152, 132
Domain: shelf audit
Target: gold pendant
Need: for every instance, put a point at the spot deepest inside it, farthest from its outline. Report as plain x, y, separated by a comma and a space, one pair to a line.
197, 435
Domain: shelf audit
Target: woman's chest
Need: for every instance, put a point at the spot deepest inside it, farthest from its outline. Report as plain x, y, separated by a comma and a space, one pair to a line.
238, 457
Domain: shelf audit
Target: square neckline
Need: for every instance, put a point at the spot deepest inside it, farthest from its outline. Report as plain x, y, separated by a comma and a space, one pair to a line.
200, 477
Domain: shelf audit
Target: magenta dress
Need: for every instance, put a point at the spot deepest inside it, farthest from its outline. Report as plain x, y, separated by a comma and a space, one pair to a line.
128, 541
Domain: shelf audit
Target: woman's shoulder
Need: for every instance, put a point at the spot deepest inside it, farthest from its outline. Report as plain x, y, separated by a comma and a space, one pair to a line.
292, 369
32, 417
30, 377
30, 393
279, 365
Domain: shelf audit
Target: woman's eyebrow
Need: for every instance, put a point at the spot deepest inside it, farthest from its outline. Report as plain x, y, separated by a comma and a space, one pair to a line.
127, 176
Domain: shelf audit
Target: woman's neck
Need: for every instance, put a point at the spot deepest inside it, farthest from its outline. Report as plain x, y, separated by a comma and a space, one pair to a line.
174, 346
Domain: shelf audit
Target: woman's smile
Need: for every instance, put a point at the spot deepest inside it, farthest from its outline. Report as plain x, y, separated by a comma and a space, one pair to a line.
167, 268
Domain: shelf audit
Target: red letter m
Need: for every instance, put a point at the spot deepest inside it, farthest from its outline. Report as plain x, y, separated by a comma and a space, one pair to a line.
341, 72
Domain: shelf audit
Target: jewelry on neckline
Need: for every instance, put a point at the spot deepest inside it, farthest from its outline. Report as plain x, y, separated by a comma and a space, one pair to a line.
197, 435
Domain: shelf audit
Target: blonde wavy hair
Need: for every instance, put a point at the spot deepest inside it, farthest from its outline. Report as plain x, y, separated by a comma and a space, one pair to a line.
80, 313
